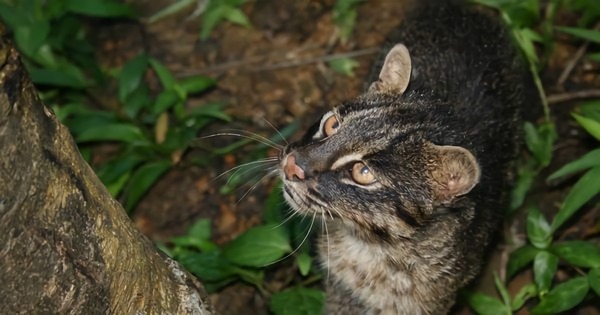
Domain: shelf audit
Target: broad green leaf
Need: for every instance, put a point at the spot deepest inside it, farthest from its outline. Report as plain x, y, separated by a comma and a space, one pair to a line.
197, 84
198, 236
538, 229
589, 160
236, 16
12, 16
579, 253
112, 132
297, 301
544, 268
304, 261
590, 125
131, 76
55, 77
164, 101
586, 188
525, 293
563, 297
99, 8
275, 206
486, 305
540, 140
257, 247
344, 66
31, 37
164, 75
113, 170
591, 35
208, 266
142, 179
520, 258
200, 230
212, 110
211, 17
117, 186
594, 280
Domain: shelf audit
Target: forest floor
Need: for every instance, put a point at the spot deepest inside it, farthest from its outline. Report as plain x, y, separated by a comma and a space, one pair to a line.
276, 73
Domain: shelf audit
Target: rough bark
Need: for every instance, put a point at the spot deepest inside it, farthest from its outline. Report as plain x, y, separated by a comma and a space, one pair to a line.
66, 246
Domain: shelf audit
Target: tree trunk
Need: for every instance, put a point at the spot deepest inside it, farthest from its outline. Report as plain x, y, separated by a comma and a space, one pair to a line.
66, 246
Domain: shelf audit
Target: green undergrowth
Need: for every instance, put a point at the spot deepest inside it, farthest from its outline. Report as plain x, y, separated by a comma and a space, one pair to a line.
148, 127
544, 252
146, 130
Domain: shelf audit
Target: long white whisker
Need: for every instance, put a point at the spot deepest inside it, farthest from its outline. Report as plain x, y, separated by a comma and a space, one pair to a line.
261, 161
276, 130
251, 136
297, 248
271, 173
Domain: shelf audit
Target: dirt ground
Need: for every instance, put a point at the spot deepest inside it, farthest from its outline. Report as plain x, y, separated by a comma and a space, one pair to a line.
275, 72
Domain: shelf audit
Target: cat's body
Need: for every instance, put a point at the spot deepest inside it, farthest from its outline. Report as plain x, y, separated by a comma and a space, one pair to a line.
411, 176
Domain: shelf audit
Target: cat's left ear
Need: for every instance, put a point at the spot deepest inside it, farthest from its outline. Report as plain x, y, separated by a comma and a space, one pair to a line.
454, 171
395, 73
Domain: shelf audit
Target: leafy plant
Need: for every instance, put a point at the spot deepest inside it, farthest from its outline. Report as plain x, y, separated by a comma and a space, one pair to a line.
213, 12
249, 255
344, 16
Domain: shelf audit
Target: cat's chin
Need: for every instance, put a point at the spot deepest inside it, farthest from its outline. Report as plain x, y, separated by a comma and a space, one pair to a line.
297, 199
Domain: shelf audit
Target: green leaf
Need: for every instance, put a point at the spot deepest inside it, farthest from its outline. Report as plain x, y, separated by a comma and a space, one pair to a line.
525, 293
112, 132
502, 289
142, 179
12, 16
544, 268
590, 35
197, 84
486, 305
116, 186
55, 77
538, 229
304, 261
520, 258
589, 160
594, 280
257, 247
201, 230
579, 253
540, 140
563, 297
113, 170
164, 75
298, 301
212, 110
586, 187
344, 66
525, 176
131, 76
164, 101
590, 125
236, 16
208, 266
99, 8
31, 37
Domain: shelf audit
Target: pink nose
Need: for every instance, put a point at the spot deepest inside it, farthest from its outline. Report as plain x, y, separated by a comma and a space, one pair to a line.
291, 169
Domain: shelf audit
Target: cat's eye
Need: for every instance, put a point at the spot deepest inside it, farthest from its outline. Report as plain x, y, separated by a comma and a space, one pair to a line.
361, 174
330, 126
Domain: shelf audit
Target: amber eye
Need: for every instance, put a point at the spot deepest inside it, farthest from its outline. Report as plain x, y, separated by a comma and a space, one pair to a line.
361, 174
331, 125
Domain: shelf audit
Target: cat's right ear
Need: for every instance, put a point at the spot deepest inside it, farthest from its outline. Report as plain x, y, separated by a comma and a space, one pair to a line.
453, 170
395, 73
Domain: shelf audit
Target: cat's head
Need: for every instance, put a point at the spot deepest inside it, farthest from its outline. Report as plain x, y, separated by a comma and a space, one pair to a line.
371, 161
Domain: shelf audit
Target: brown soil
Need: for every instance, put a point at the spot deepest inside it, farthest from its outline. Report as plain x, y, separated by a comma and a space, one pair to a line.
276, 73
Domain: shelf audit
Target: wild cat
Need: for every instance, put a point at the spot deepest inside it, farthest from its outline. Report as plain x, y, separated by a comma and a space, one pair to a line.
411, 176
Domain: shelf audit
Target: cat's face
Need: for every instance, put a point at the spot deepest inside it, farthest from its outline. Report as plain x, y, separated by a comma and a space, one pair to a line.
368, 163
